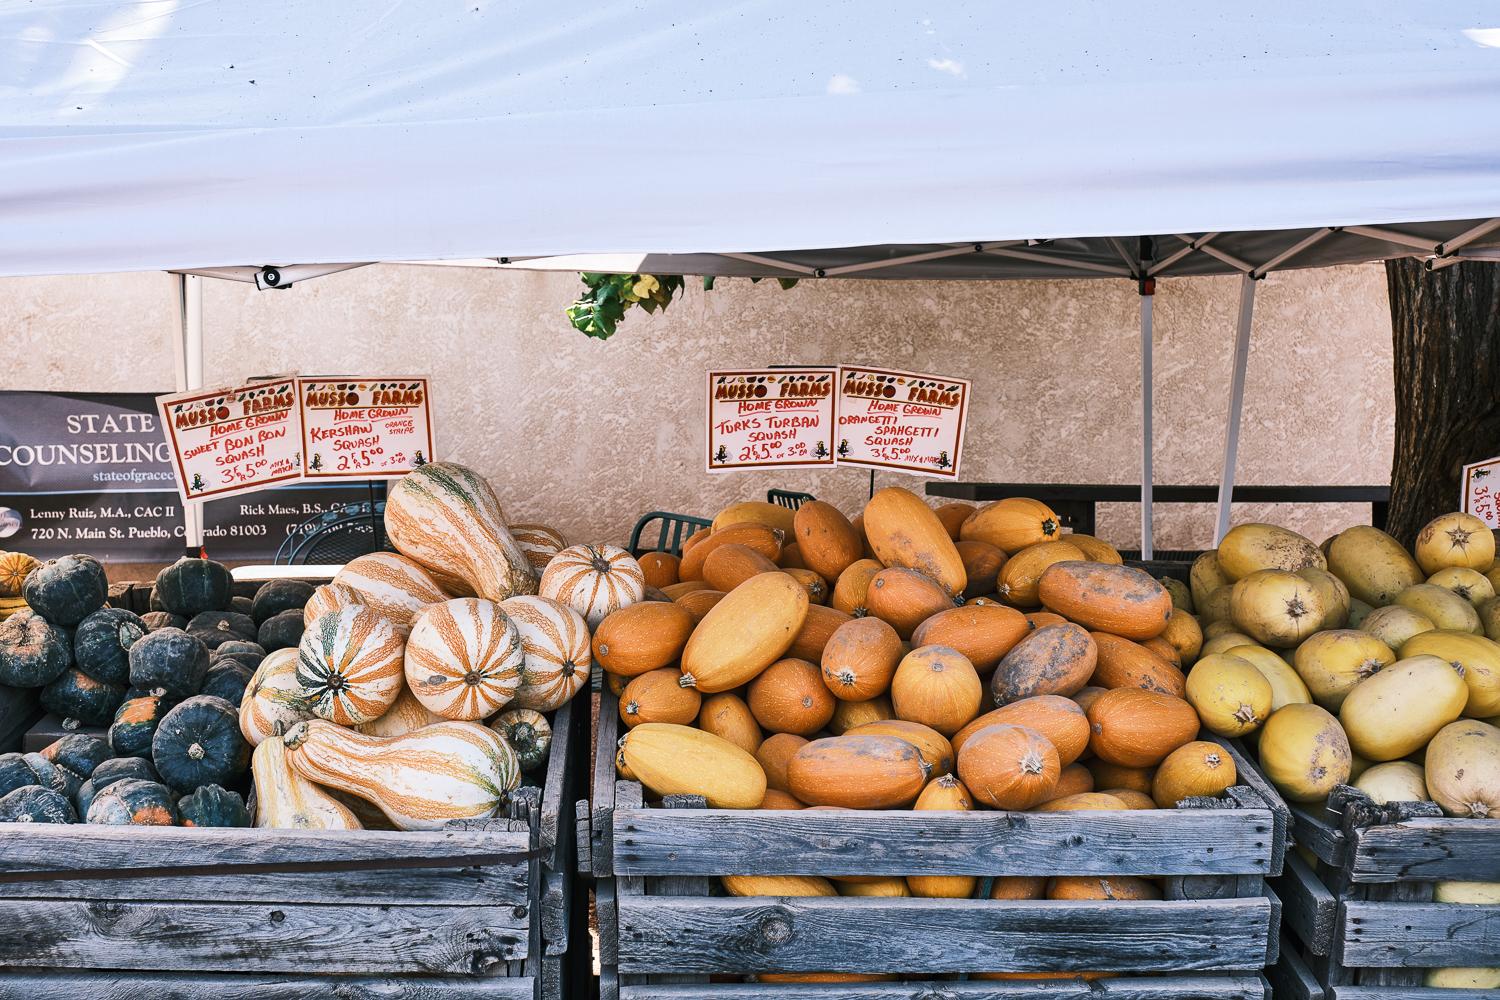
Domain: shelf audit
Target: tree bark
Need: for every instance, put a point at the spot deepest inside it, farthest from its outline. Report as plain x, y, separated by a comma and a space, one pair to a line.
1445, 325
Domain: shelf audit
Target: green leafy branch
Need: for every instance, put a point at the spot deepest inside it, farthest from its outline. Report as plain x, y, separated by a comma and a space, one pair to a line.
607, 297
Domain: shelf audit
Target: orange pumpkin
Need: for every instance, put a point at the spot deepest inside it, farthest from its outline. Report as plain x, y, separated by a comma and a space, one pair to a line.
849, 715
982, 632
938, 687
1102, 887
815, 585
1012, 524
852, 587
677, 591
760, 537
774, 754
931, 744
791, 557
729, 718
1111, 776
1009, 767
905, 533
1138, 728
982, 565
1022, 571
657, 696
1196, 768
790, 697
1123, 663
1074, 779
905, 598
1161, 647
1120, 600
728, 566
699, 602
953, 516
1082, 802
642, 637
1019, 887
858, 772
860, 658
780, 800
1041, 619
1085, 696
1132, 798
1094, 549
1055, 659
1057, 718
659, 568
826, 540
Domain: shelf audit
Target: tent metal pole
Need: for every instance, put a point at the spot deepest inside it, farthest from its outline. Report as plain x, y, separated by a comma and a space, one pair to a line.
1236, 403
188, 353
1147, 542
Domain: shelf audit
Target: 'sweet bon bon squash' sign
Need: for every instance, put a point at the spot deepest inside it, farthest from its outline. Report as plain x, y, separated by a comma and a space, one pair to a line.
233, 440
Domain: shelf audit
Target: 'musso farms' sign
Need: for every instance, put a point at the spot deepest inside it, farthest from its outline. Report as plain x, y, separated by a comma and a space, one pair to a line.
364, 428
901, 421
780, 417
233, 440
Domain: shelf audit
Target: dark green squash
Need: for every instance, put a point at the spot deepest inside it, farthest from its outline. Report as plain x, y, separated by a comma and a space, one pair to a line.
529, 734
34, 804
155, 604
192, 586
281, 631
53, 776
33, 651
171, 660
242, 606
214, 628
102, 641
78, 752
14, 773
67, 590
199, 743
276, 596
242, 650
212, 805
135, 724
227, 679
154, 620
134, 802
107, 774
75, 695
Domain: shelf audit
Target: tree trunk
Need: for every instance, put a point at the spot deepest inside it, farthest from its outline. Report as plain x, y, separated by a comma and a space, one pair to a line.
1446, 330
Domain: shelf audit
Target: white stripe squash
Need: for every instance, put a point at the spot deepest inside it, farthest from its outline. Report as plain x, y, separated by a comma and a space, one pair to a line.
284, 800
447, 518
421, 779
392, 584
329, 597
539, 542
349, 665
594, 580
558, 657
273, 698
464, 658
405, 715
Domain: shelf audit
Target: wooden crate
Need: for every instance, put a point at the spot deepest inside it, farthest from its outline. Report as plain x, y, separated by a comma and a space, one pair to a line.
480, 908
1363, 919
663, 934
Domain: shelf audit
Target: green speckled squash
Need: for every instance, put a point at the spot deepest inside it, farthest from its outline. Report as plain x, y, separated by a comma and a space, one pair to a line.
107, 774
212, 805
65, 591
34, 804
276, 596
102, 641
154, 620
281, 631
529, 734
227, 679
191, 586
14, 773
133, 802
135, 724
78, 752
33, 651
77, 696
53, 776
214, 628
170, 660
198, 743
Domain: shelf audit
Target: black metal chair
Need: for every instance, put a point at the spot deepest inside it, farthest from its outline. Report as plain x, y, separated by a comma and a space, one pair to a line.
337, 535
790, 499
675, 529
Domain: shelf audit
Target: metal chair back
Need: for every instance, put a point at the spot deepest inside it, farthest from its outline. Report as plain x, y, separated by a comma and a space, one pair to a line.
790, 499
674, 530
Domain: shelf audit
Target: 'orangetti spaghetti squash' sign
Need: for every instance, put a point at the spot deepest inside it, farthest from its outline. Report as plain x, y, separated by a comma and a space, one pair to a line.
364, 428
233, 440
901, 421
770, 417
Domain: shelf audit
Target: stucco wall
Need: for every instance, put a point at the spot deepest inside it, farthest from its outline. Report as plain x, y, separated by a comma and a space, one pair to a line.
586, 434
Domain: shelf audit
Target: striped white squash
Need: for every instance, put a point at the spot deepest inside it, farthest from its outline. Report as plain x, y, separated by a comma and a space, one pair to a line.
285, 800
392, 584
464, 659
447, 518
349, 665
328, 597
594, 580
558, 655
421, 779
539, 542
405, 715
273, 698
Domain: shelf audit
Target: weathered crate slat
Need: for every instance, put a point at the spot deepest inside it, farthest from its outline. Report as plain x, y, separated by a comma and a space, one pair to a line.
1310, 910
1242, 987
1427, 849
1419, 935
731, 842
51, 985
1405, 993
903, 935
1291, 979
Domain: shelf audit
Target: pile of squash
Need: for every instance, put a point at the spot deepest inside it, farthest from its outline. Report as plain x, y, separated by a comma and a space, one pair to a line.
909, 658
1359, 662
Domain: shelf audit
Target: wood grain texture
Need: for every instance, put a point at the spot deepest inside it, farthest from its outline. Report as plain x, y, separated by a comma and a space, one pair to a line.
1427, 849
46, 984
912, 936
753, 842
1315, 833
1404, 993
1240, 987
228, 937
1418, 935
1309, 909
1290, 977
601, 853
557, 785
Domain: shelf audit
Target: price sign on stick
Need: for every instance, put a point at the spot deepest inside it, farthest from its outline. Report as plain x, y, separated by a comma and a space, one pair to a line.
364, 428
233, 440
767, 417
902, 421
1481, 487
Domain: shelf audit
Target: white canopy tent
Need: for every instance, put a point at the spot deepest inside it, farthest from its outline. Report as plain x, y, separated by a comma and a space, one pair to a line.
279, 141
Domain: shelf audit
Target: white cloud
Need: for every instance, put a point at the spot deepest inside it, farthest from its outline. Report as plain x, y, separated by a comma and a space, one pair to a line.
952, 66
842, 83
